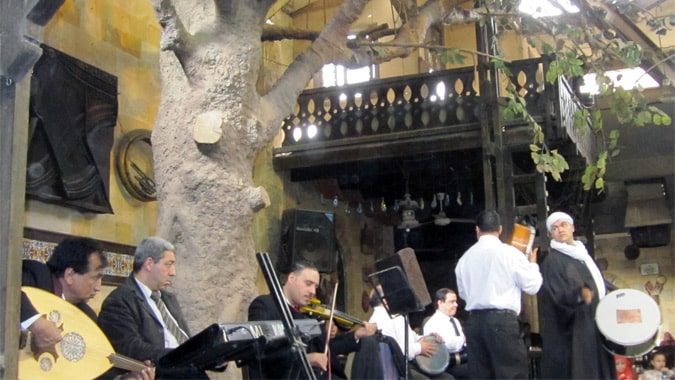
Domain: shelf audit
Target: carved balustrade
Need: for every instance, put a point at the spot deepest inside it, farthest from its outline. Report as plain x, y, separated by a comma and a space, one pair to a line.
438, 111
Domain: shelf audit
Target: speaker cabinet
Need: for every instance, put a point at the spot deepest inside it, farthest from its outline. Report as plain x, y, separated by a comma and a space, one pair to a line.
308, 235
407, 260
651, 236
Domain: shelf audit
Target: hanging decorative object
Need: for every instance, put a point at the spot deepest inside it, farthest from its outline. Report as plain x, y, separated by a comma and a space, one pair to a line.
440, 219
359, 208
433, 202
396, 206
383, 205
348, 210
336, 202
421, 203
408, 208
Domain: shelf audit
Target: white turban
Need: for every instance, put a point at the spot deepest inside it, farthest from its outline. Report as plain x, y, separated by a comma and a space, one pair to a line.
556, 216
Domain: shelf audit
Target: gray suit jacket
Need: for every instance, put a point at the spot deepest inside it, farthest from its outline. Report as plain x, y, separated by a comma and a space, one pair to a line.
130, 324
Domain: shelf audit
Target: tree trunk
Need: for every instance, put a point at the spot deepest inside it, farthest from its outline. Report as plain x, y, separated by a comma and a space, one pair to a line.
204, 189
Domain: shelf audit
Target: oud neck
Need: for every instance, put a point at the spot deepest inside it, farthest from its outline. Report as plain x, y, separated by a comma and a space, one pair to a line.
121, 361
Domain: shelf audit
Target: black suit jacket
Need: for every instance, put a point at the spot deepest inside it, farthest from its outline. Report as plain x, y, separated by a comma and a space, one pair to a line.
38, 275
128, 321
263, 308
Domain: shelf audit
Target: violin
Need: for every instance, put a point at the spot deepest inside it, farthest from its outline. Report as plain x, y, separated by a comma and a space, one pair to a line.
317, 310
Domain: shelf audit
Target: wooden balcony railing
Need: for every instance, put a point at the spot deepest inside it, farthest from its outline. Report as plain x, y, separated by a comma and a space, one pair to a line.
406, 115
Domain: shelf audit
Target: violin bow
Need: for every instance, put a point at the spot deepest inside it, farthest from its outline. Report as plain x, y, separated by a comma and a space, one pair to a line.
330, 319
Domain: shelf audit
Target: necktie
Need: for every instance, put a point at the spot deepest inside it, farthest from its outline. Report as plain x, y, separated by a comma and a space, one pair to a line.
454, 325
170, 323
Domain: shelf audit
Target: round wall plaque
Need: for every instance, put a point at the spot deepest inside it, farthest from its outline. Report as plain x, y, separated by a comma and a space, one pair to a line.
133, 162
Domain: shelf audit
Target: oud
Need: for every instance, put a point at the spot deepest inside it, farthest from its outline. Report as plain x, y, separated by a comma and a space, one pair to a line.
84, 352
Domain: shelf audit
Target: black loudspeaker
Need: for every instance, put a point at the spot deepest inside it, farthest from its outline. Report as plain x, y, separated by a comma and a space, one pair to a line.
308, 235
651, 236
407, 260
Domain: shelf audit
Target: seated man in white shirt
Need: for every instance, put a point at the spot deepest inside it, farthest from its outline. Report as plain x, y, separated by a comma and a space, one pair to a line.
443, 323
396, 329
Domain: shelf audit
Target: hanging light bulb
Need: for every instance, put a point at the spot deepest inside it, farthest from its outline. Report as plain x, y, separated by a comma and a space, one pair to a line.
421, 203
396, 206
335, 202
459, 198
446, 200
383, 206
433, 202
348, 210
359, 208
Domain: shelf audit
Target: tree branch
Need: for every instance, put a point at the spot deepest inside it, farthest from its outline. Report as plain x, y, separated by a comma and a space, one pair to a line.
406, 9
175, 37
276, 33
431, 47
329, 45
413, 33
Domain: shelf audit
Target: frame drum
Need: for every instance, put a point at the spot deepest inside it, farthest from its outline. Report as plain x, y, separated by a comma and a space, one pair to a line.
628, 321
435, 364
523, 237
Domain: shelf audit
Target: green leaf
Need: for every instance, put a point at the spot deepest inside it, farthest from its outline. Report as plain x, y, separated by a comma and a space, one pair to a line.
599, 183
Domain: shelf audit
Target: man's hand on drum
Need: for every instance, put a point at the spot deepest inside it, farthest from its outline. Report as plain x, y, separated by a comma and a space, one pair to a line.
429, 347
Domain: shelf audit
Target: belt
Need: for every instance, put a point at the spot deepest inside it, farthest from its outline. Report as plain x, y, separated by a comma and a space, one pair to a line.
493, 311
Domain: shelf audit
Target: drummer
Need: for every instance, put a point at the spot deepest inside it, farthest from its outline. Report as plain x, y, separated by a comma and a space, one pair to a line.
572, 288
396, 329
444, 323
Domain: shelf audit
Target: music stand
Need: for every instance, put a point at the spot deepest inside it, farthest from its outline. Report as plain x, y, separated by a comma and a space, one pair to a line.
397, 297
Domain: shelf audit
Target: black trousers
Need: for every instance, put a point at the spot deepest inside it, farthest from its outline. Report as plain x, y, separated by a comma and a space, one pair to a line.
494, 345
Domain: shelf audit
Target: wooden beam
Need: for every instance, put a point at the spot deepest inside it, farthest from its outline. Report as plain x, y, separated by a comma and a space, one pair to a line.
664, 67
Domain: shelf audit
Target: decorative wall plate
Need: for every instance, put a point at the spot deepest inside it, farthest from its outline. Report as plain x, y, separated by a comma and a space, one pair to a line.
133, 162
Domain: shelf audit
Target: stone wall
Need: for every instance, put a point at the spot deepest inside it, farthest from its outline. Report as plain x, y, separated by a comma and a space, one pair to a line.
121, 38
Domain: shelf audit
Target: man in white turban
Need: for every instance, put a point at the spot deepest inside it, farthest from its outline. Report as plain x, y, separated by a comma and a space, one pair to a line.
572, 288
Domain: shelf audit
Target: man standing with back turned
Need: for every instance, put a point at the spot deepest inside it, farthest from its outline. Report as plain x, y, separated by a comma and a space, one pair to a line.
490, 277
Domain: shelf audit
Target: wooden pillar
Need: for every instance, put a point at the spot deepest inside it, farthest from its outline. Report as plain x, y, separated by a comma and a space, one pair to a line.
21, 27
13, 152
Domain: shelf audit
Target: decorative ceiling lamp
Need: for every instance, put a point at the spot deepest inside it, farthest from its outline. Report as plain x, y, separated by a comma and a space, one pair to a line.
408, 208
440, 219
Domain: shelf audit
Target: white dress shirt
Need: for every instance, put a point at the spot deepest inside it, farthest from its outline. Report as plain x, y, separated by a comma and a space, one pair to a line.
492, 275
170, 341
395, 328
440, 324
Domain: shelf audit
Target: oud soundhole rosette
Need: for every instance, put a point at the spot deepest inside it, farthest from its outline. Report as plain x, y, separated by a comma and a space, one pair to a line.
46, 363
73, 347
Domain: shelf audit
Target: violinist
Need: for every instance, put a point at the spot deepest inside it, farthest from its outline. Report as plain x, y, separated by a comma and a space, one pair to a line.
299, 288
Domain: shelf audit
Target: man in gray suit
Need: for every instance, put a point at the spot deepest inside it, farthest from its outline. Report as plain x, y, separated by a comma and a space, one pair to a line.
142, 320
